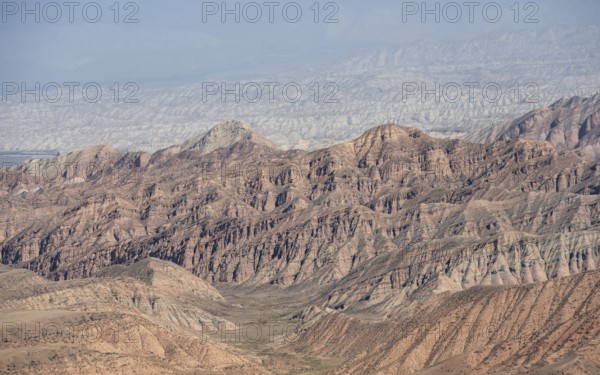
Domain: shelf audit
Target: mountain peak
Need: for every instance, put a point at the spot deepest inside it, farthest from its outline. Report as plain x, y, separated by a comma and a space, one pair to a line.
387, 133
569, 123
374, 140
574, 102
233, 126
164, 274
224, 135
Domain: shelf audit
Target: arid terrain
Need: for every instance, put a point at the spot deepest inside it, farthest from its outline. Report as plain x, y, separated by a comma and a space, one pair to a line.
571, 124
393, 253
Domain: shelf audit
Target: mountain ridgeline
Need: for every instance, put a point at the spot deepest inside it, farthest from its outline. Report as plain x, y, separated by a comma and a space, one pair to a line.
394, 223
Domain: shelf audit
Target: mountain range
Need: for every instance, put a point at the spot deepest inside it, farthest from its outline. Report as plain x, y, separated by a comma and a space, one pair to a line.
393, 253
572, 124
511, 74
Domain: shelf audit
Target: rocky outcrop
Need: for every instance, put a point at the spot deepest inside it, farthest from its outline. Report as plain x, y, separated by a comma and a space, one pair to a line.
130, 320
224, 135
379, 220
421, 253
551, 327
572, 124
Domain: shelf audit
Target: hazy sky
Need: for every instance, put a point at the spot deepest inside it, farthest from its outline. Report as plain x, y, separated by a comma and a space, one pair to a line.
172, 41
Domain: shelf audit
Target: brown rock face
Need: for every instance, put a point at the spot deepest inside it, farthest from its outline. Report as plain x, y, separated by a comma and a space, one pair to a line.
378, 218
131, 320
572, 124
392, 226
545, 328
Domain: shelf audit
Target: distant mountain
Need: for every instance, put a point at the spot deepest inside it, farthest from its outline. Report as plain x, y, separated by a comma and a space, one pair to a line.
339, 102
555, 43
572, 124
223, 135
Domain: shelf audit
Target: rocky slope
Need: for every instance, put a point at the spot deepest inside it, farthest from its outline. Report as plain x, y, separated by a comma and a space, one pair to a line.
377, 218
545, 328
378, 228
131, 320
572, 124
224, 135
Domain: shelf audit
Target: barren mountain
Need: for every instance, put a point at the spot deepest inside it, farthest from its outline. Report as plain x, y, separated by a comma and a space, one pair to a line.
141, 319
224, 135
545, 328
351, 213
370, 233
365, 89
572, 124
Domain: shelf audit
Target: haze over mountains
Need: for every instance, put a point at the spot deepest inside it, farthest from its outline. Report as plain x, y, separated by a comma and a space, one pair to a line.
394, 252
550, 64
